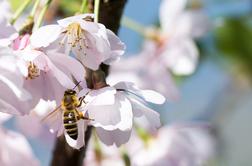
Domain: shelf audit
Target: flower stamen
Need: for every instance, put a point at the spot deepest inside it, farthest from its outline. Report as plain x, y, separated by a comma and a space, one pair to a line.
33, 71
75, 35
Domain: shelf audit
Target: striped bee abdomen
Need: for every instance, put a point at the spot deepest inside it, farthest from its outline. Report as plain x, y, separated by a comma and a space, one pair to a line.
70, 123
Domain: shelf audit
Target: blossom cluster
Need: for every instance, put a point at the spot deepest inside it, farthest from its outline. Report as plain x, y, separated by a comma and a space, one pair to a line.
45, 71
171, 145
44, 63
167, 50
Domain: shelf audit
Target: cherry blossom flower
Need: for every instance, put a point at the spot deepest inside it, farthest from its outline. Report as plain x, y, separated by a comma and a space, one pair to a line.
35, 73
90, 42
13, 95
124, 102
112, 110
179, 144
170, 47
142, 68
15, 149
179, 27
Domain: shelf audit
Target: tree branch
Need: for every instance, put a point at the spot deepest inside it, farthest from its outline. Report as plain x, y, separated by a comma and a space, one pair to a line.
110, 15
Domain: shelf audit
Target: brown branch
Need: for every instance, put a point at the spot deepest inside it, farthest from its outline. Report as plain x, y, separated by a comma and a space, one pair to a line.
64, 155
110, 15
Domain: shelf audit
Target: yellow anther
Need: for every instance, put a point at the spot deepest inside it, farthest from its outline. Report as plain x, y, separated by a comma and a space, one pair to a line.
33, 71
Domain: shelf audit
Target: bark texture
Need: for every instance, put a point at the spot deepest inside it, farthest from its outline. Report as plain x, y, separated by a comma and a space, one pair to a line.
110, 13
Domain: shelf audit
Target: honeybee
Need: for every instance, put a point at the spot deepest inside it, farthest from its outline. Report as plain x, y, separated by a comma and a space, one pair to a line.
69, 105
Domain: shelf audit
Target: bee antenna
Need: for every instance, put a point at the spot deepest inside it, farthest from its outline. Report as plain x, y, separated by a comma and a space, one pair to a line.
77, 85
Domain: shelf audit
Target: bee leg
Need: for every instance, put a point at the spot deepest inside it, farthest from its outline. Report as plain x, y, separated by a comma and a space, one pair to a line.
81, 99
81, 116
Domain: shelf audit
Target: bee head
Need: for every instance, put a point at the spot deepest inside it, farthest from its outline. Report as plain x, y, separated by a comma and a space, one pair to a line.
70, 92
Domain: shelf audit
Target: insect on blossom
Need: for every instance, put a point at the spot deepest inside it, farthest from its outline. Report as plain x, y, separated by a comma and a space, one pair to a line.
120, 103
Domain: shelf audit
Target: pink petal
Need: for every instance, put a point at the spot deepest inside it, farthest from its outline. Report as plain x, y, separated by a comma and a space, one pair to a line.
46, 64
69, 65
21, 42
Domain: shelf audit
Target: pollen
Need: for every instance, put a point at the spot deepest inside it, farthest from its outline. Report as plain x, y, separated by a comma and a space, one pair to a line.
75, 36
33, 71
74, 33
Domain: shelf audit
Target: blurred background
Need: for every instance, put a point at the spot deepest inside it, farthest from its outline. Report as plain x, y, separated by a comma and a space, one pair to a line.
218, 92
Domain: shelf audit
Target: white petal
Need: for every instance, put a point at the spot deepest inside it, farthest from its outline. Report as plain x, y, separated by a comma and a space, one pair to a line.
61, 77
14, 82
80, 142
168, 12
66, 21
8, 108
116, 137
146, 95
69, 64
134, 69
181, 56
103, 96
90, 56
111, 117
152, 116
88, 26
28, 54
153, 96
117, 48
45, 35
194, 23
7, 33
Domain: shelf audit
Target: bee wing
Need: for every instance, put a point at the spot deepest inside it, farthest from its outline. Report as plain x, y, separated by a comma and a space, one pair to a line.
54, 119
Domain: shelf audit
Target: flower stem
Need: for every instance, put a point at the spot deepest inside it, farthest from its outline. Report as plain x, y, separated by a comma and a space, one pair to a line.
19, 11
35, 6
133, 25
96, 10
41, 15
125, 157
83, 8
